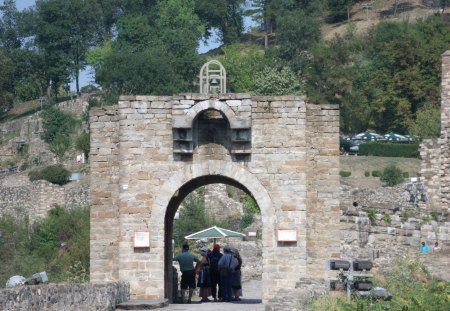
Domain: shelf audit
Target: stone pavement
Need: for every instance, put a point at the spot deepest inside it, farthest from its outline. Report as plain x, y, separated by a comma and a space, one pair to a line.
251, 301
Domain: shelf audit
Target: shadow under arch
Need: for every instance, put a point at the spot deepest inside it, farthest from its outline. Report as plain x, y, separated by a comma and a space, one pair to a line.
193, 176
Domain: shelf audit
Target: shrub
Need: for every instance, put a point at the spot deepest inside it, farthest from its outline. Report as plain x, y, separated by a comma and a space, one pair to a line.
372, 214
56, 174
376, 173
345, 173
35, 174
387, 218
405, 175
367, 173
56, 122
392, 176
389, 150
83, 143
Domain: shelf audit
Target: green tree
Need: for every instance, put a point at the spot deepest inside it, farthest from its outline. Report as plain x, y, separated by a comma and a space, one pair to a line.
339, 9
225, 16
193, 217
296, 33
272, 81
427, 123
60, 145
6, 92
152, 55
65, 37
56, 122
242, 65
83, 143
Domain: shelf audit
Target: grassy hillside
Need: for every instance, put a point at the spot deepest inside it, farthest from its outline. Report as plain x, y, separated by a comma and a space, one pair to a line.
359, 164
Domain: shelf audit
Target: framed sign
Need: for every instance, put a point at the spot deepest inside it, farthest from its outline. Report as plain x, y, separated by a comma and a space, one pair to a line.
285, 235
142, 239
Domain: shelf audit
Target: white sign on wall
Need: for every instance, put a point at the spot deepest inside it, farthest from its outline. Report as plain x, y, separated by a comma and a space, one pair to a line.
142, 239
285, 235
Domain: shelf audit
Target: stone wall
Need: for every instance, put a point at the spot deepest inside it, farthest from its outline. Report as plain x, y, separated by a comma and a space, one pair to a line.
436, 154
140, 169
29, 129
397, 230
36, 199
56, 297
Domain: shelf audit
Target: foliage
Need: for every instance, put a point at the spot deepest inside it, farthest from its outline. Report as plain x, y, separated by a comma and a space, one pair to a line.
345, 173
387, 218
392, 176
296, 33
59, 146
367, 173
83, 143
64, 38
271, 81
56, 174
389, 150
59, 245
405, 175
339, 9
56, 121
372, 214
225, 16
376, 173
427, 123
242, 65
404, 279
192, 218
250, 209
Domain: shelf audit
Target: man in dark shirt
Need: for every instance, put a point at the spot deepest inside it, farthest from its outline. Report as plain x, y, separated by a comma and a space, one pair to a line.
214, 258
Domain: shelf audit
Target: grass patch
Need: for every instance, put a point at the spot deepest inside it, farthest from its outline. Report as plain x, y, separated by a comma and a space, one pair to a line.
360, 164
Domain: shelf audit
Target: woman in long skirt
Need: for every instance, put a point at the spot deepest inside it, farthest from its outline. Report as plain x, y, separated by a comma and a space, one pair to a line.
236, 278
204, 280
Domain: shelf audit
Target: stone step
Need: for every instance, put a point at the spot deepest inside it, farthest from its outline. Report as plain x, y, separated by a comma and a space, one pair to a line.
142, 304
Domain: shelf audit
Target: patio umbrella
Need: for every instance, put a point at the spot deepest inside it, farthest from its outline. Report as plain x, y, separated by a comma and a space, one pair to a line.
368, 136
214, 233
395, 137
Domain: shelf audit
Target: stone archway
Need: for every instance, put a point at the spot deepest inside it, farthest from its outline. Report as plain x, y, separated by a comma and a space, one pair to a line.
196, 175
284, 151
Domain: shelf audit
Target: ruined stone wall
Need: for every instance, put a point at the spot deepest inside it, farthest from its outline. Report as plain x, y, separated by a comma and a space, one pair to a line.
35, 200
292, 170
56, 297
436, 154
396, 230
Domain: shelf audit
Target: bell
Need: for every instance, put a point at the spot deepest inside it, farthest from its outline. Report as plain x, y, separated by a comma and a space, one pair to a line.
214, 81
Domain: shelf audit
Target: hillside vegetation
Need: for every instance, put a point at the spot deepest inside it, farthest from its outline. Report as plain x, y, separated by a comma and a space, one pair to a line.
379, 60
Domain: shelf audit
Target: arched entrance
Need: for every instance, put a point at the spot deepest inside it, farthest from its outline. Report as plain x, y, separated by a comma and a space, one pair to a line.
148, 152
195, 176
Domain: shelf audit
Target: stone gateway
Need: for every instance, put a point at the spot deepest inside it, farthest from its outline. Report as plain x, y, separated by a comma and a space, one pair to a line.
149, 152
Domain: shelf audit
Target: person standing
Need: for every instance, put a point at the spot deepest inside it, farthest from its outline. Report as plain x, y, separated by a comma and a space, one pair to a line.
236, 278
424, 248
214, 258
226, 265
186, 260
204, 280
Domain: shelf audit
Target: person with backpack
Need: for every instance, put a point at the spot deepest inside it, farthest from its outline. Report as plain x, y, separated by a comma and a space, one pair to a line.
214, 258
227, 264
